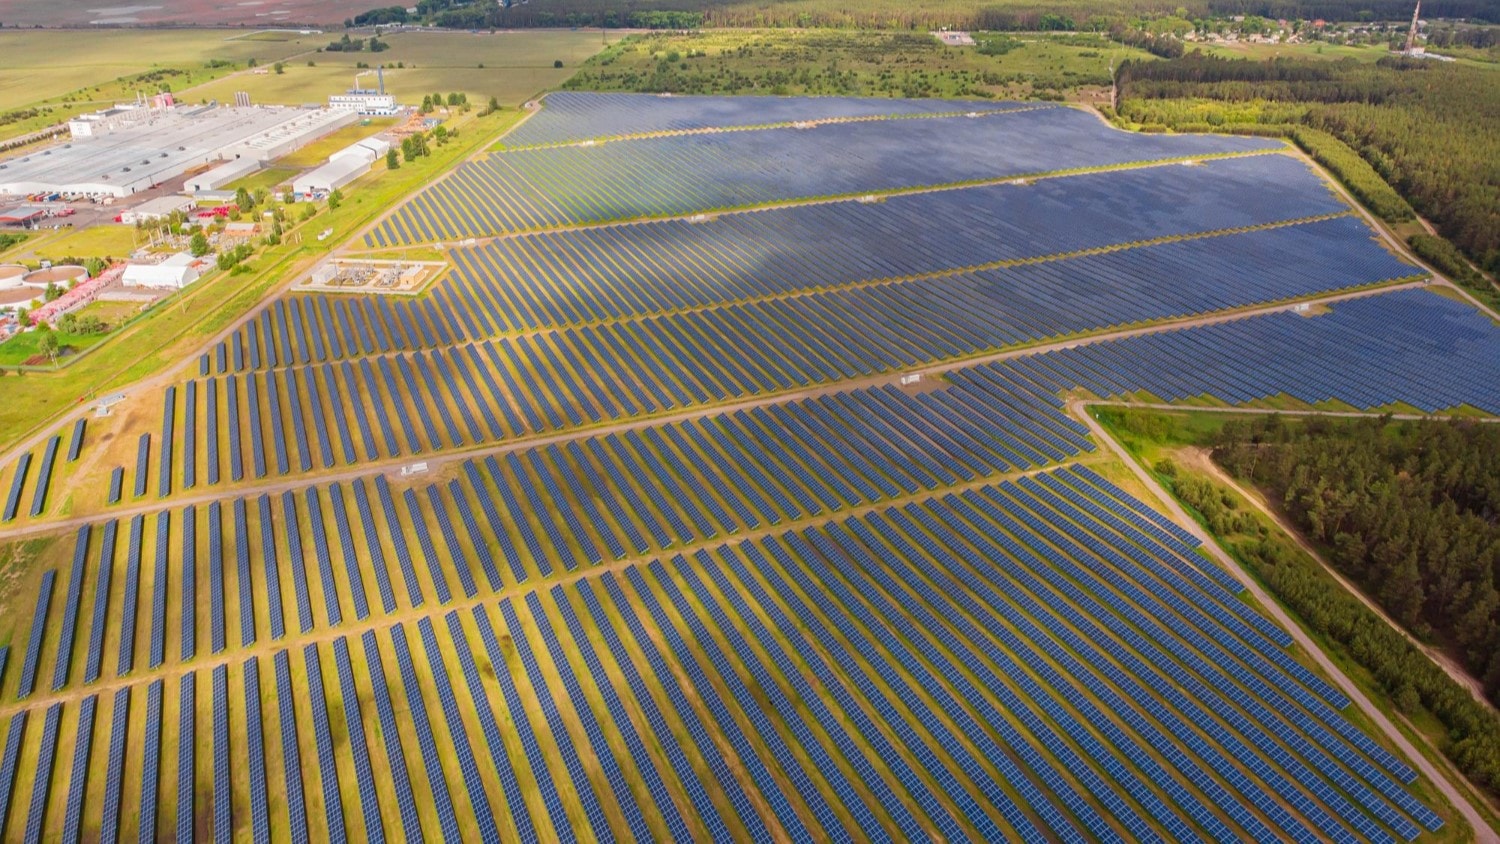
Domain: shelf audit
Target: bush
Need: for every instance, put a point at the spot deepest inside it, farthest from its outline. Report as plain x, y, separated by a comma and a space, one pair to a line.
559, 63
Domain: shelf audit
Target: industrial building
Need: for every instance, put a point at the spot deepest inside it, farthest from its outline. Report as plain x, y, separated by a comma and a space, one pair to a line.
156, 209
365, 102
343, 167
129, 149
229, 171
375, 146
335, 174
176, 272
25, 216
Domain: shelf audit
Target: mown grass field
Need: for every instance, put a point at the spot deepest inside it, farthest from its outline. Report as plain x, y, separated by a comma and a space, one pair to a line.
510, 66
105, 239
1332, 52
268, 179
318, 151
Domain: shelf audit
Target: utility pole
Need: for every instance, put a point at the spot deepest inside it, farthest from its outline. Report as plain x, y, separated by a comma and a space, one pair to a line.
1411, 37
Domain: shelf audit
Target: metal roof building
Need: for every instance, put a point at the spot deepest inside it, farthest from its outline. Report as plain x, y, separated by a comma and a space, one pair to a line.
24, 215
222, 175
335, 174
178, 271
156, 209
149, 146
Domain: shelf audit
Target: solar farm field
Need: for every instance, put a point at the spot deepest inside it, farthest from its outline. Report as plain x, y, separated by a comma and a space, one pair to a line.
768, 524
590, 182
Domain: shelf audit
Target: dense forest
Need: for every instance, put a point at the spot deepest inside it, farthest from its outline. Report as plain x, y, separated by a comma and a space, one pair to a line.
1410, 511
1414, 683
1030, 15
1426, 127
1422, 491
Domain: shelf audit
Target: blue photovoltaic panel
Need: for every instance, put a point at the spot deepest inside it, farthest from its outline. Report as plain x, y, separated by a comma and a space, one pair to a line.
83, 744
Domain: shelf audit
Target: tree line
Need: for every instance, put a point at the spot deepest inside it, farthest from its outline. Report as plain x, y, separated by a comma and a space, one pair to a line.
1425, 127
1410, 511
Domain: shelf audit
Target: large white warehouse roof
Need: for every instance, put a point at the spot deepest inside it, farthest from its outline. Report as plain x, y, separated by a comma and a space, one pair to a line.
335, 174
178, 271
161, 144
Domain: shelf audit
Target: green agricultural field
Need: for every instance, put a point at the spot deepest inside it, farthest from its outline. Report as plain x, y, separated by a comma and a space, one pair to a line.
269, 179
23, 348
61, 73
510, 66
106, 239
1329, 52
318, 151
823, 62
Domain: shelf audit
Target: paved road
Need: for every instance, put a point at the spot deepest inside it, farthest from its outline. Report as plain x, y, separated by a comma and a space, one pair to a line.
1483, 833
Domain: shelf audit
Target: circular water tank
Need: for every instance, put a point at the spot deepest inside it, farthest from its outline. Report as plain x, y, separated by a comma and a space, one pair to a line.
55, 275
10, 275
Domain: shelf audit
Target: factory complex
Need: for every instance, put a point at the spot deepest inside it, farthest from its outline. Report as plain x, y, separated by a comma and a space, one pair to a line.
129, 149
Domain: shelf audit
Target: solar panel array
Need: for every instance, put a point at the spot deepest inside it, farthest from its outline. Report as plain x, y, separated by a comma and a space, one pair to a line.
544, 187
17, 483
854, 611
591, 375
576, 115
584, 275
983, 579
1407, 349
